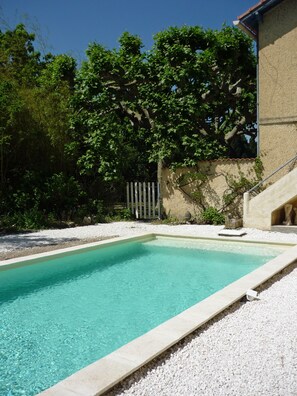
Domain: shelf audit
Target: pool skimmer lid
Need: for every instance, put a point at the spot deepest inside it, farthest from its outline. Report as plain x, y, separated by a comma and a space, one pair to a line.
227, 232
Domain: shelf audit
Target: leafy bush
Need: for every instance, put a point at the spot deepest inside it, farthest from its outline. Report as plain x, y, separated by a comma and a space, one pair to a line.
120, 215
37, 201
31, 219
62, 195
212, 216
93, 208
125, 214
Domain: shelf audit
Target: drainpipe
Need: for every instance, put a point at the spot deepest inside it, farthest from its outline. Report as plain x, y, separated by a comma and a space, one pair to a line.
258, 118
251, 33
160, 187
260, 21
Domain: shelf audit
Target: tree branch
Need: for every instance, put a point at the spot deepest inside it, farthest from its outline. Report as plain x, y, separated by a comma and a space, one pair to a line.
238, 127
149, 118
131, 113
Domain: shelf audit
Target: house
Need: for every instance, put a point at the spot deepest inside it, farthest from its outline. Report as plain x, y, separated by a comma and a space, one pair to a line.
273, 25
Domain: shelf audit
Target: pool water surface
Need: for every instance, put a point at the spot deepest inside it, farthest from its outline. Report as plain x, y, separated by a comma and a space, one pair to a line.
64, 313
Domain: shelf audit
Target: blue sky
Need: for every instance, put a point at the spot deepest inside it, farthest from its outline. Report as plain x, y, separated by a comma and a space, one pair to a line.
68, 26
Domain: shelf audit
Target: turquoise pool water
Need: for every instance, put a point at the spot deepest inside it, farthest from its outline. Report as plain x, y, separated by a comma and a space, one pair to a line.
64, 313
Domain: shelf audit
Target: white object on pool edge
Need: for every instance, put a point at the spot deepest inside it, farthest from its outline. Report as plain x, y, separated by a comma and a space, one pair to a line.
227, 232
251, 295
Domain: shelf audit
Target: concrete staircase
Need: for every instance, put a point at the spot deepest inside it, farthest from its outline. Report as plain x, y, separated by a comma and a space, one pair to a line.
266, 209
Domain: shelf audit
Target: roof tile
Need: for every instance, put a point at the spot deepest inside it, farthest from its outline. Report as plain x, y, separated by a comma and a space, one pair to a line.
261, 2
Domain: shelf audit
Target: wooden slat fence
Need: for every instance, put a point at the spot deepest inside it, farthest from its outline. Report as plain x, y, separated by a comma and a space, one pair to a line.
143, 199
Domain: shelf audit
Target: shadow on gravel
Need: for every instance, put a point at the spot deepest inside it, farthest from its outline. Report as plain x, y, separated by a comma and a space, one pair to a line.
22, 241
22, 245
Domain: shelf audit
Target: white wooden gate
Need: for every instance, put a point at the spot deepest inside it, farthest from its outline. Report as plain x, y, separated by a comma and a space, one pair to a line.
143, 199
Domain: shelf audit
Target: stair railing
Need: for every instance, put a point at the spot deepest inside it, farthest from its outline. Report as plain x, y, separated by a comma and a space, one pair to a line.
246, 195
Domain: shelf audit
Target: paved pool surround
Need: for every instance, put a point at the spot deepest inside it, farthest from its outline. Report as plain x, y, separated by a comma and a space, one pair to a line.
100, 376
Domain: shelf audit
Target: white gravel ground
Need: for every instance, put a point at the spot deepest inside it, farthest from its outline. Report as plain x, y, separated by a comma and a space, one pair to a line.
249, 350
50, 237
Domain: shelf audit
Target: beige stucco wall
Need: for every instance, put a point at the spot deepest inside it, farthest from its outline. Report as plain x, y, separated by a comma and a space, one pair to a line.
177, 202
278, 85
278, 144
267, 208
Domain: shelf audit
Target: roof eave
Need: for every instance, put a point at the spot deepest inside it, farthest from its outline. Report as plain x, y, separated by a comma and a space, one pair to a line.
246, 29
251, 18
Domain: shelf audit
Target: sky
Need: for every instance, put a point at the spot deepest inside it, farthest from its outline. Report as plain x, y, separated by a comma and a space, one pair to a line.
68, 26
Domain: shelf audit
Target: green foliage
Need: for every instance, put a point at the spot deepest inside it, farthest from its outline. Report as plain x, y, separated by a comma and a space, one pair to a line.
237, 187
92, 208
258, 167
168, 219
193, 185
188, 178
119, 215
107, 143
59, 70
34, 119
70, 139
212, 216
18, 59
31, 219
192, 97
38, 202
62, 195
126, 214
198, 197
196, 180
34, 107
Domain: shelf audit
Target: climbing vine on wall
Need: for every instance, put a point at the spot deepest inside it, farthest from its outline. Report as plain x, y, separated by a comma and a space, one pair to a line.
194, 184
196, 180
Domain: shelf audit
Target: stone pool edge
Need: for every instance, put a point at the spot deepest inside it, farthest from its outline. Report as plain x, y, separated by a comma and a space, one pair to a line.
100, 376
36, 258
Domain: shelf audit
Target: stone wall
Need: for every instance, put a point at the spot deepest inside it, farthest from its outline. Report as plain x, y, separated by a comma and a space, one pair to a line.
193, 189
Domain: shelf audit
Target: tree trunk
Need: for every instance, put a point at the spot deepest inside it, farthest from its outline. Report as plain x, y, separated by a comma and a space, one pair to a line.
159, 177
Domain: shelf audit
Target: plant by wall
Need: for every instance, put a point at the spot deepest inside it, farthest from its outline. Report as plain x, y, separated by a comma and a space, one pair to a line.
195, 180
237, 186
212, 216
194, 183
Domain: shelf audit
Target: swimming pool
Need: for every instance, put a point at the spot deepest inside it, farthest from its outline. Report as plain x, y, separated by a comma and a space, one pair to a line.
71, 310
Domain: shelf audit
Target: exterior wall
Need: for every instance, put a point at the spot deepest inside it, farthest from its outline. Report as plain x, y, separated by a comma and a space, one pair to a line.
177, 202
278, 86
267, 208
278, 145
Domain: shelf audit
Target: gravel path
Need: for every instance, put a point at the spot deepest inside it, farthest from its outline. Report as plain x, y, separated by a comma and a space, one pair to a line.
69, 235
250, 349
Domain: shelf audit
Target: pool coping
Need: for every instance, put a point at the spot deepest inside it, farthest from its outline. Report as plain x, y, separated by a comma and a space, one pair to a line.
22, 261
100, 376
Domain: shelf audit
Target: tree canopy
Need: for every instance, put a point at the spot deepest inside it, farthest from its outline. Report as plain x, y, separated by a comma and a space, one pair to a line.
76, 133
191, 97
34, 120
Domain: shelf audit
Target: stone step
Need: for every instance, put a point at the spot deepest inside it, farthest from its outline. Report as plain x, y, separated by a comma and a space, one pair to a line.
231, 232
284, 228
260, 210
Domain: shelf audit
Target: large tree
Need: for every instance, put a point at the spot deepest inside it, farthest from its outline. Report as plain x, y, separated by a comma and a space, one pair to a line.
34, 119
191, 97
34, 106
